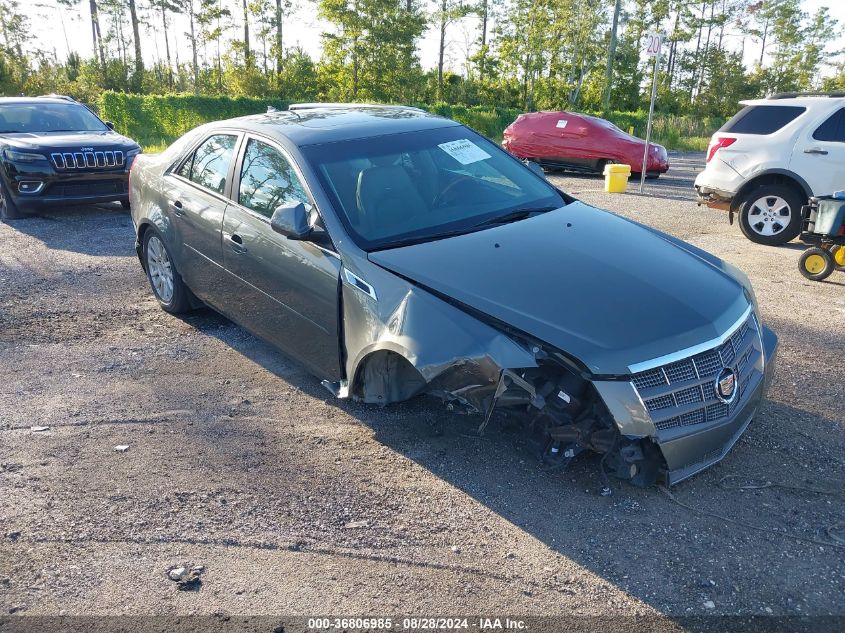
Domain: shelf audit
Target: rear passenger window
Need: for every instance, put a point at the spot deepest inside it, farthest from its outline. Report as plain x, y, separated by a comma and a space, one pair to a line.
761, 119
209, 164
832, 129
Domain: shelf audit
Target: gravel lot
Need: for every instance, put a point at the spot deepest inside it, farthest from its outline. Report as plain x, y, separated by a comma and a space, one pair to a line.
296, 503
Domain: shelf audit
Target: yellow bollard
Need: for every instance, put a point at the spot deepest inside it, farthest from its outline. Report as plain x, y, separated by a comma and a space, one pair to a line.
616, 178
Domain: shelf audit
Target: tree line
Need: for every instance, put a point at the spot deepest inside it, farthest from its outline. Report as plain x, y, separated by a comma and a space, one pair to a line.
527, 54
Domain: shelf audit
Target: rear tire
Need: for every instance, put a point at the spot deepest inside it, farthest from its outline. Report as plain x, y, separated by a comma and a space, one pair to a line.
8, 209
168, 288
816, 264
771, 214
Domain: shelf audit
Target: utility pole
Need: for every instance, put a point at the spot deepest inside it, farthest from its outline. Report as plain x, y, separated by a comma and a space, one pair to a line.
611, 54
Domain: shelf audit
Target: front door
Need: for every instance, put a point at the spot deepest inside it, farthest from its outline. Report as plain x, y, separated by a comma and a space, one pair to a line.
286, 291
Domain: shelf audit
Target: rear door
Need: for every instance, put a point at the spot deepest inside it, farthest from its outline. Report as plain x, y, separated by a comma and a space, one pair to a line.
284, 290
197, 200
819, 155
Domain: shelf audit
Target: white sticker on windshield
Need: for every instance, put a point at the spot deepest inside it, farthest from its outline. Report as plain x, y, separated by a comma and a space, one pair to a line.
561, 123
464, 151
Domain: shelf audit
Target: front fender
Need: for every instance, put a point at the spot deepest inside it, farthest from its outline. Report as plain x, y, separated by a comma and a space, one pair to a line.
449, 350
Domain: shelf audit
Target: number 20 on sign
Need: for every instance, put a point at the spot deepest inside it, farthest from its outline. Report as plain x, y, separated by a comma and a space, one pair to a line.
653, 43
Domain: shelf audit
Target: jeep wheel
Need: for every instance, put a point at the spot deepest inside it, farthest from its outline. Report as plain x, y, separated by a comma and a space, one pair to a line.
771, 214
8, 208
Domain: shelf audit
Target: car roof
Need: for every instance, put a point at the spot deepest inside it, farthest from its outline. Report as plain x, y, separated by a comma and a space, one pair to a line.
37, 100
328, 123
807, 101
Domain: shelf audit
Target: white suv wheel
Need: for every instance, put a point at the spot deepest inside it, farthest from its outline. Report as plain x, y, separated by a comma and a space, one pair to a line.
769, 215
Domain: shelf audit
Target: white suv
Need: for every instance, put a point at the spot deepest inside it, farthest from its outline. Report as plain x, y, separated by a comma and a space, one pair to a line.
771, 157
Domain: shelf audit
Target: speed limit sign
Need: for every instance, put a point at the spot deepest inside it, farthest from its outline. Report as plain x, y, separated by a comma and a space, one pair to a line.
653, 43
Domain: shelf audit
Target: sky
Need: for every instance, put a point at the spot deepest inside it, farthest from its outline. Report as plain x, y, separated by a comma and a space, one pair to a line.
56, 30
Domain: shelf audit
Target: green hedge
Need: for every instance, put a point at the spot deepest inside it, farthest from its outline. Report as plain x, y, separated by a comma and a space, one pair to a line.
489, 121
156, 120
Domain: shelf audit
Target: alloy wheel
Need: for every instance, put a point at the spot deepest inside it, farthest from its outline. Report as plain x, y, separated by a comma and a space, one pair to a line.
160, 269
769, 215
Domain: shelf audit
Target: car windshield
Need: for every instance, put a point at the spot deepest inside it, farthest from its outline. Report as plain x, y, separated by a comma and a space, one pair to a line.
48, 117
419, 186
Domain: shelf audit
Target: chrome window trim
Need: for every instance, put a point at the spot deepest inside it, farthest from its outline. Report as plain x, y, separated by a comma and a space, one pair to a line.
194, 185
654, 363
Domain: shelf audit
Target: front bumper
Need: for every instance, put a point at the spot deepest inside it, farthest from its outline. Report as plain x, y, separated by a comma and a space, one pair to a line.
60, 188
690, 454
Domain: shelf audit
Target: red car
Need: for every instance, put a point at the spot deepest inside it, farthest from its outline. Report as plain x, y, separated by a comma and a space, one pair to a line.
579, 142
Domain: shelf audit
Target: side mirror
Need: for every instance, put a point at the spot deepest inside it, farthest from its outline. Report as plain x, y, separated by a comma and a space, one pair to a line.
534, 167
109, 125
291, 220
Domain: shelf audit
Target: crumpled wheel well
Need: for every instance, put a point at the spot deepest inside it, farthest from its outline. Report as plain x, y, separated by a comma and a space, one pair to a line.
385, 376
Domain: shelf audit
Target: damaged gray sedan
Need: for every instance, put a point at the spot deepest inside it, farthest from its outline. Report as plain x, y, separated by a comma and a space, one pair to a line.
396, 253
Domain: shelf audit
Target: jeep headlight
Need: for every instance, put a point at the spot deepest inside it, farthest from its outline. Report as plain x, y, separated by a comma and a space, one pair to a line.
130, 156
23, 157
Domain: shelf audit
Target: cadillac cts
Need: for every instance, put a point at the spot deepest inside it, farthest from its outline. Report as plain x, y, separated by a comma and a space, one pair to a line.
395, 253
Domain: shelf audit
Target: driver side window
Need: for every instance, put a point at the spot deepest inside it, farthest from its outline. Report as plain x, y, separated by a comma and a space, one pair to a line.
268, 180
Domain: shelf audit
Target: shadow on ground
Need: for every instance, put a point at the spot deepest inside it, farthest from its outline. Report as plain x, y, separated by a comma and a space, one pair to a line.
59, 229
763, 510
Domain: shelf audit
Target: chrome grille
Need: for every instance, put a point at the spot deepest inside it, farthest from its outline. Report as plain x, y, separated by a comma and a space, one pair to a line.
708, 363
98, 159
679, 372
683, 393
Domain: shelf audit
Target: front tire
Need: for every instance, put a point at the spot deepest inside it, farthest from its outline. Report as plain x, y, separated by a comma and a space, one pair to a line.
816, 264
170, 291
8, 209
771, 214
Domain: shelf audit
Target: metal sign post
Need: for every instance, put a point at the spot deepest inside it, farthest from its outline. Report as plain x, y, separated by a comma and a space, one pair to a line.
653, 43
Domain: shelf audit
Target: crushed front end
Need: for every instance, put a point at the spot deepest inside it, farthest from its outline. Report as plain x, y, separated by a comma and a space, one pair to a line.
662, 420
669, 419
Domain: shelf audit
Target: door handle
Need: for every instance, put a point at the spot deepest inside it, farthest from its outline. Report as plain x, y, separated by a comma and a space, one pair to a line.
178, 209
815, 150
236, 243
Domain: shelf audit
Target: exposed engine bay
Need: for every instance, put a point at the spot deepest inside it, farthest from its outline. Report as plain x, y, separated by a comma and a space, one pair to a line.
564, 416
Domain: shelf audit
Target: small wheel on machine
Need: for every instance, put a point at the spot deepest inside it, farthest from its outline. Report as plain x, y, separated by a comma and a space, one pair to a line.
771, 214
838, 254
125, 204
8, 209
169, 289
816, 264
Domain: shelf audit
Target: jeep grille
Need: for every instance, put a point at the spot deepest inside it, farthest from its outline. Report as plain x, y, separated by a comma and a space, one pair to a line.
88, 160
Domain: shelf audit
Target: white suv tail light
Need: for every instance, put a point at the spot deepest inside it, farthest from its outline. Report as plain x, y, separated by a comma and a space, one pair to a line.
717, 144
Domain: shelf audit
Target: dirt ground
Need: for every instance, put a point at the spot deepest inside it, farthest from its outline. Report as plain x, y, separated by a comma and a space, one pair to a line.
297, 503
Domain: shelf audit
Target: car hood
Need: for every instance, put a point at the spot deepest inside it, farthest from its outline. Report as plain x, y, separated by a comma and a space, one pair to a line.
72, 141
602, 289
